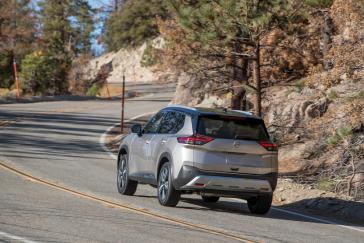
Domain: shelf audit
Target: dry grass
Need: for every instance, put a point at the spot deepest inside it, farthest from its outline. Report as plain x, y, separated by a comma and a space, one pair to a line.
111, 90
4, 92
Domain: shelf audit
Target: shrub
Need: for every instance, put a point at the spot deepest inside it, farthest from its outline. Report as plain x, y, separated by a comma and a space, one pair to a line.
93, 91
148, 59
333, 140
344, 132
325, 184
299, 85
339, 135
319, 3
37, 73
332, 95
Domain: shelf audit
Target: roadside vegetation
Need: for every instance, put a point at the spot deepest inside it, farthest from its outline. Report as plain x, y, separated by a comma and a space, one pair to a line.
44, 38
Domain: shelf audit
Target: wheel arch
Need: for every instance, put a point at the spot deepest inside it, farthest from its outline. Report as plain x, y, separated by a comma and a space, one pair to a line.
123, 150
163, 158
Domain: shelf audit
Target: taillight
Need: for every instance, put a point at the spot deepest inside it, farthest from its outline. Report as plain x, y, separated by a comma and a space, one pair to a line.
269, 145
195, 139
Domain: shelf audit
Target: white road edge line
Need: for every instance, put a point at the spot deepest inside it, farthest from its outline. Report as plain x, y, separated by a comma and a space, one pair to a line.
16, 238
318, 219
312, 218
113, 156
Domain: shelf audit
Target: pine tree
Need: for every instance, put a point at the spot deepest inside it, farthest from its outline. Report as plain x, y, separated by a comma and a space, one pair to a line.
17, 30
134, 23
57, 37
84, 26
229, 32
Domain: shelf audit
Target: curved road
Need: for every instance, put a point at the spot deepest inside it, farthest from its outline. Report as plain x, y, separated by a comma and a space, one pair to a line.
59, 142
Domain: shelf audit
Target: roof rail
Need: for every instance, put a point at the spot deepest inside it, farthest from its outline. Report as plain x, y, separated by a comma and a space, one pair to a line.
244, 112
182, 106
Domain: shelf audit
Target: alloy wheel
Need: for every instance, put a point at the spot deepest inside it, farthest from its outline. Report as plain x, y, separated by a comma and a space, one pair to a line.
163, 184
122, 173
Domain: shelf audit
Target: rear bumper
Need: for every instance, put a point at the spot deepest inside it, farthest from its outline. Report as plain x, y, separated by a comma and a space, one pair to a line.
191, 178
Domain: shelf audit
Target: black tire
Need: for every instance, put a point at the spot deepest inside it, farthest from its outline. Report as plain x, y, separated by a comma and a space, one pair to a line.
167, 194
124, 184
210, 199
260, 204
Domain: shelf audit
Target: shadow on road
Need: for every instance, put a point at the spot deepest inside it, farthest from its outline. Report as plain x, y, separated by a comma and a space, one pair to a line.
242, 208
56, 135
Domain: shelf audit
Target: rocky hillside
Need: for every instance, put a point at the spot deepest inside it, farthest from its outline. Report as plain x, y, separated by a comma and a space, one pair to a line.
320, 124
316, 114
318, 120
129, 61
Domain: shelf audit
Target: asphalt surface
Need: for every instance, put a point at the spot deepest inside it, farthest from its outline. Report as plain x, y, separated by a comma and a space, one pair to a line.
59, 142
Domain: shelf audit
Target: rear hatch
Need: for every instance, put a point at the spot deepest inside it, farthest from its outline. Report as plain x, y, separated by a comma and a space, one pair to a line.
233, 145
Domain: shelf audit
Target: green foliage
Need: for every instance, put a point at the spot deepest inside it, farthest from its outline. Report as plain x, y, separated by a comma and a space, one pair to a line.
326, 184
319, 3
148, 59
222, 22
332, 140
332, 95
83, 26
6, 71
344, 132
134, 23
355, 95
37, 74
66, 31
17, 34
93, 91
339, 135
299, 85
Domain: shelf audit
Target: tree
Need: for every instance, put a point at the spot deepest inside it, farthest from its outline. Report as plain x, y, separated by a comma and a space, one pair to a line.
17, 33
57, 37
228, 35
66, 32
37, 74
83, 25
134, 23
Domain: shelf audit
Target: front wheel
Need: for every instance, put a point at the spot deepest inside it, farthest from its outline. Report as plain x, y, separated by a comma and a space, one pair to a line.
124, 184
260, 204
167, 194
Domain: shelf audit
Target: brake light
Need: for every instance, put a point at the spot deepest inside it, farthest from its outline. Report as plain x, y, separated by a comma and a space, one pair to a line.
269, 145
195, 139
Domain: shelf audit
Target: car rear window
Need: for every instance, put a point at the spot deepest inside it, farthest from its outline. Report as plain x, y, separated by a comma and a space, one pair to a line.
239, 128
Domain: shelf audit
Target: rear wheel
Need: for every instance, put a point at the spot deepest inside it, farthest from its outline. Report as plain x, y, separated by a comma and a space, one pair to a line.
260, 204
124, 184
210, 199
167, 194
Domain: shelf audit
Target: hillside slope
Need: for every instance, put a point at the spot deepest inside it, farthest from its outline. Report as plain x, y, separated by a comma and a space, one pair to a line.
317, 119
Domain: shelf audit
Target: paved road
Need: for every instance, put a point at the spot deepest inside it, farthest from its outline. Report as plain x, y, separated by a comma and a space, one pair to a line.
59, 142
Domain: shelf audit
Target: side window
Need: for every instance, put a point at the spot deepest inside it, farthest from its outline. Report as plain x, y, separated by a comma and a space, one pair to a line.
153, 124
172, 122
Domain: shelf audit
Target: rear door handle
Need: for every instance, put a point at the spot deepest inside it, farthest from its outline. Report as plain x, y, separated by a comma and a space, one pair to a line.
147, 141
164, 141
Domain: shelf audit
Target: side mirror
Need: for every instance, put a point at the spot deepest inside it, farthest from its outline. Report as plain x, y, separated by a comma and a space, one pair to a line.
137, 128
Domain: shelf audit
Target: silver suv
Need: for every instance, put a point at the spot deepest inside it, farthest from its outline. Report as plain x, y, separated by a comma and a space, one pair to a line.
212, 152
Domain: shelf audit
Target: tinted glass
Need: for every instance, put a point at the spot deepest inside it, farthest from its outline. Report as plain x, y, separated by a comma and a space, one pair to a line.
153, 124
172, 122
232, 128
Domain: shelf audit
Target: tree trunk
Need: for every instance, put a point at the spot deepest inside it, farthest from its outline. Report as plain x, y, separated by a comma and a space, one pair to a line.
239, 77
257, 81
326, 38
